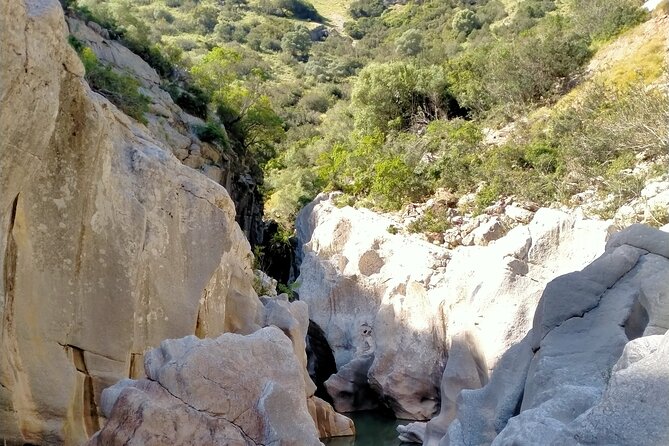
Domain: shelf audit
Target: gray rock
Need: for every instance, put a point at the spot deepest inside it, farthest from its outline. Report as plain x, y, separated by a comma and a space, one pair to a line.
397, 300
488, 231
349, 387
412, 432
633, 409
592, 378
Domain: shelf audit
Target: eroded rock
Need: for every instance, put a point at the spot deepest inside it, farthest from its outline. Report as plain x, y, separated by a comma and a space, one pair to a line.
589, 377
396, 301
212, 392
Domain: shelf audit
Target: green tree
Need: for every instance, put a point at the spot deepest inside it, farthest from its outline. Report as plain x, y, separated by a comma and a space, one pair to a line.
241, 103
410, 43
297, 43
464, 21
393, 95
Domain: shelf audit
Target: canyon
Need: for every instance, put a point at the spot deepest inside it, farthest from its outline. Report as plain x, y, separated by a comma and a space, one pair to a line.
130, 313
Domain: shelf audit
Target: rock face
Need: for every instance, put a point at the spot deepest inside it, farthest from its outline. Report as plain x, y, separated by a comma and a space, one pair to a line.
215, 393
108, 244
174, 128
231, 390
391, 306
293, 319
593, 369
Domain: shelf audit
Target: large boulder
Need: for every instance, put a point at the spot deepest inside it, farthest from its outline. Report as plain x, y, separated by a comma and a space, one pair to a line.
108, 243
397, 301
213, 392
593, 369
293, 319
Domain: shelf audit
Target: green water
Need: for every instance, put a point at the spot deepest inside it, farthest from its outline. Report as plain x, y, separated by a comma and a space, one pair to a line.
373, 429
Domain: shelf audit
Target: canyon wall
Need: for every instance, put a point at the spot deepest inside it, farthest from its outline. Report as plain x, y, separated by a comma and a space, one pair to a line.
392, 306
108, 243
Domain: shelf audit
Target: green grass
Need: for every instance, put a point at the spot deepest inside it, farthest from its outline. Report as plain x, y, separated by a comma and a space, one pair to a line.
335, 11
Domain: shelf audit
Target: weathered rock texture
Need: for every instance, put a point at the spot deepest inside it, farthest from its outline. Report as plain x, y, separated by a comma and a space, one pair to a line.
293, 319
174, 128
213, 392
391, 305
593, 369
108, 244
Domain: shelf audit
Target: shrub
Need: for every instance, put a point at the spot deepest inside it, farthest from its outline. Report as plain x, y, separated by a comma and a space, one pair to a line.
433, 220
190, 98
366, 8
391, 95
213, 132
410, 43
464, 21
297, 43
122, 90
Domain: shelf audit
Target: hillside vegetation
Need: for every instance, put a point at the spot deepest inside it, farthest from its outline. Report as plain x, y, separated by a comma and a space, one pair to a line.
406, 99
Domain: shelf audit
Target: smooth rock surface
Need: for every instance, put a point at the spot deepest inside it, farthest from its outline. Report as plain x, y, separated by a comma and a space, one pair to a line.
595, 362
107, 242
397, 300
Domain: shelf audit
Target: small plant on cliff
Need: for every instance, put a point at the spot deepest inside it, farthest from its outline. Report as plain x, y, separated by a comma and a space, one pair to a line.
212, 132
290, 289
433, 220
120, 89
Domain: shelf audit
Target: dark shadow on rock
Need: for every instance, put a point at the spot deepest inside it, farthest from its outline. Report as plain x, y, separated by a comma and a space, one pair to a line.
320, 360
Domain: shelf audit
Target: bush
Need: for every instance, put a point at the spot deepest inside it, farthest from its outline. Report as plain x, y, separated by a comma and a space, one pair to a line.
297, 43
389, 96
122, 90
366, 8
464, 21
410, 43
214, 133
190, 98
316, 101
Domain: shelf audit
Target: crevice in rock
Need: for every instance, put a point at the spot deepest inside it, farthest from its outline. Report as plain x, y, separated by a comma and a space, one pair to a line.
320, 360
211, 414
200, 330
636, 322
135, 370
90, 409
9, 270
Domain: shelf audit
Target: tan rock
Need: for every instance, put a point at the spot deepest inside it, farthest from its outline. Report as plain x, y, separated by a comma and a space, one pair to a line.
108, 243
194, 161
212, 172
211, 153
329, 423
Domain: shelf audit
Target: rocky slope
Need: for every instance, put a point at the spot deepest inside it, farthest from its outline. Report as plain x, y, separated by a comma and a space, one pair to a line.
393, 307
176, 129
108, 243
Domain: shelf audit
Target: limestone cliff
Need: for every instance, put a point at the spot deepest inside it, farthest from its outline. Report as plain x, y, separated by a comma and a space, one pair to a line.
108, 244
176, 130
593, 369
393, 306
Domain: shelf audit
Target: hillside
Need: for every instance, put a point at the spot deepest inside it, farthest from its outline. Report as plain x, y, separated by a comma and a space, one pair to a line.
391, 103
